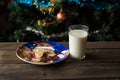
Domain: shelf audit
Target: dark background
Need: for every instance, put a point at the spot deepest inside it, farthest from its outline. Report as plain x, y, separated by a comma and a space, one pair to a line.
4, 22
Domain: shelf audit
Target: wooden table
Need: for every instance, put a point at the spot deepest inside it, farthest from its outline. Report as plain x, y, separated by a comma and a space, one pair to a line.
102, 62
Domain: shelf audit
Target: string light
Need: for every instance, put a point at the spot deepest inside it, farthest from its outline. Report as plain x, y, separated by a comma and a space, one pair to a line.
98, 5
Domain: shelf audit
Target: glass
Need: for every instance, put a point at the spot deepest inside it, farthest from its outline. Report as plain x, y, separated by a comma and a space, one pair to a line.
77, 40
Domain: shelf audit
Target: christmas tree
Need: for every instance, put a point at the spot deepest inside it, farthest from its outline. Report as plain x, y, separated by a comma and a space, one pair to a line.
50, 19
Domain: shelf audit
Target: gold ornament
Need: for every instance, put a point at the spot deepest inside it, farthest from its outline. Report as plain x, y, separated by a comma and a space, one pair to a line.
39, 22
44, 22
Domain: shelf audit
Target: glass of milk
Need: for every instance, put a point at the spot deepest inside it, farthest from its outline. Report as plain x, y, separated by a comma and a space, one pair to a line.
77, 41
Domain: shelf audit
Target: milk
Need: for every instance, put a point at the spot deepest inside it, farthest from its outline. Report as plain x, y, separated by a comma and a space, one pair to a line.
77, 43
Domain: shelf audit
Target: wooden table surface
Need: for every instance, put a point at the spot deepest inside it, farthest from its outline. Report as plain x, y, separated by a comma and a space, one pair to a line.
102, 62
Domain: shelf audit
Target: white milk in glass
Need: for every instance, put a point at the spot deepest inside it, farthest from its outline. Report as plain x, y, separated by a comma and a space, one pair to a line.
77, 43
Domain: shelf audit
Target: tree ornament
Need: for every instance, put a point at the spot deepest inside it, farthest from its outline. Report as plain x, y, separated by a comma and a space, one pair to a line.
39, 22
62, 16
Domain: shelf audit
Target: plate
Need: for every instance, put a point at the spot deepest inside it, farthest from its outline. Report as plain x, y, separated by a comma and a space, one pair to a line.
42, 52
